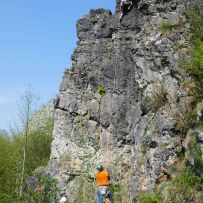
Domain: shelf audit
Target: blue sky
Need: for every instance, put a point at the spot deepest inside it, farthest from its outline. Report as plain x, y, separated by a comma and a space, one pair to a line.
37, 38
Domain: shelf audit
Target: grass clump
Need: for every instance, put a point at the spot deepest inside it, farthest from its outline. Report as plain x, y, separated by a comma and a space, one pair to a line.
185, 121
158, 98
149, 198
165, 26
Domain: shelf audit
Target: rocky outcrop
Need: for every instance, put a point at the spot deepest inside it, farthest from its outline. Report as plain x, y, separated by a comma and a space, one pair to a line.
133, 126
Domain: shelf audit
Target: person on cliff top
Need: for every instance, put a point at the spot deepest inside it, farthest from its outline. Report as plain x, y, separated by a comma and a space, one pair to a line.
125, 4
102, 178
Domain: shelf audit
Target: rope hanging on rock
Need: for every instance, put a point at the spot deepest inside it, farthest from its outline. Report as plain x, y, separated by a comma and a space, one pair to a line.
107, 155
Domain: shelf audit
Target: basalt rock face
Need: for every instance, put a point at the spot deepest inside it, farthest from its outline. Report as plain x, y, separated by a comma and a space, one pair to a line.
132, 127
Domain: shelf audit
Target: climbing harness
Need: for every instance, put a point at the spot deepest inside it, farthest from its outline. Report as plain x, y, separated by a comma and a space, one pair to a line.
104, 191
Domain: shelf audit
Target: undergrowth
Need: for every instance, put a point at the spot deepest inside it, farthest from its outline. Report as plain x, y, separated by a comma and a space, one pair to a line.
194, 66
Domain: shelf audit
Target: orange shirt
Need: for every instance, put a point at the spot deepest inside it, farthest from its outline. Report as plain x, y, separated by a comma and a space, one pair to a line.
102, 178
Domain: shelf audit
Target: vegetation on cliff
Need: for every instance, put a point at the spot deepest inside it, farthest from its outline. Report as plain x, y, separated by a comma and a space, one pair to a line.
187, 185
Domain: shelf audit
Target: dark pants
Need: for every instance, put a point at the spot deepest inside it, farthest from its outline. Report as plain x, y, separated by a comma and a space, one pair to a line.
100, 197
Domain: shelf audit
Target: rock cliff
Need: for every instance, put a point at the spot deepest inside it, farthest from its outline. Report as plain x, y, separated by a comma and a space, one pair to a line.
122, 101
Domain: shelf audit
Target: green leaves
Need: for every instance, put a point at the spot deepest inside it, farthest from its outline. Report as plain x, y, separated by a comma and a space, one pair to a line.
149, 198
11, 153
101, 90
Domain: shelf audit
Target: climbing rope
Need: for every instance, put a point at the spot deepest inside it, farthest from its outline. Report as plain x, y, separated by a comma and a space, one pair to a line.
108, 155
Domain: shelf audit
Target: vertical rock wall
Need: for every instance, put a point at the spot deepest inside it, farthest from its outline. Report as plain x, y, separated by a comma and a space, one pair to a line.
133, 127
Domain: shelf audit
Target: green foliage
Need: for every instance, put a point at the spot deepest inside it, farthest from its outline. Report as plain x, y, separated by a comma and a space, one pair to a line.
195, 67
116, 190
198, 162
149, 198
11, 148
195, 64
165, 26
195, 16
185, 186
199, 124
46, 190
101, 90
189, 179
85, 191
39, 146
5, 198
9, 164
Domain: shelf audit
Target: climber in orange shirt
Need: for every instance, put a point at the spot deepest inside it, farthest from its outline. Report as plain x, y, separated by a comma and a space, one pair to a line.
102, 178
